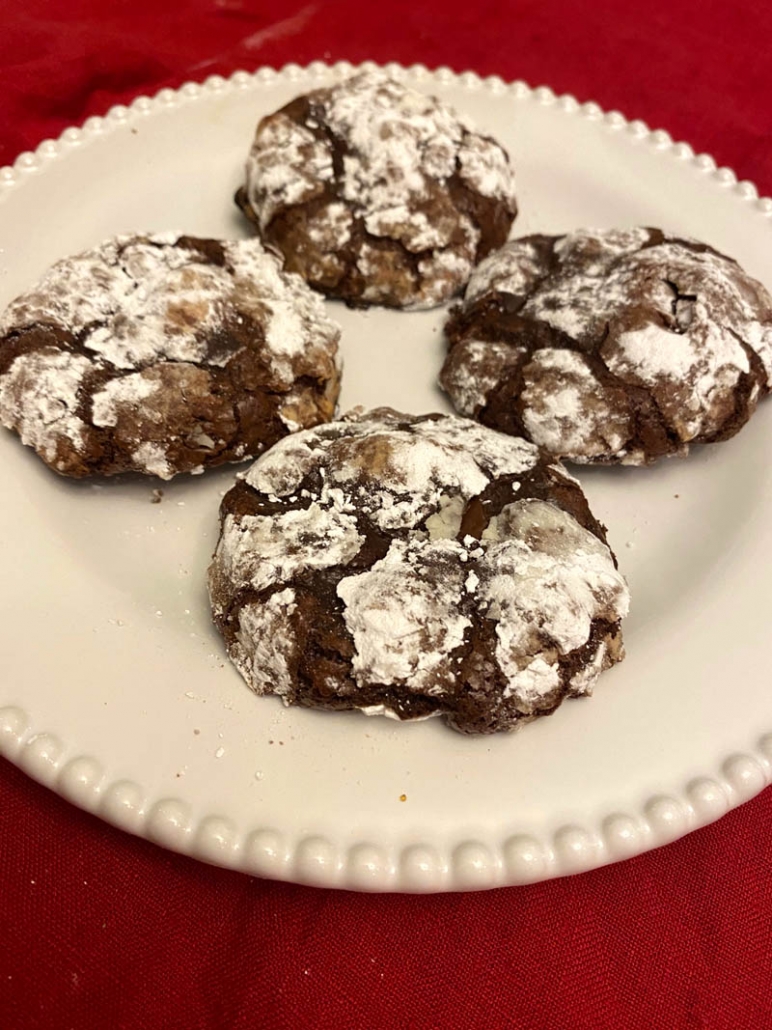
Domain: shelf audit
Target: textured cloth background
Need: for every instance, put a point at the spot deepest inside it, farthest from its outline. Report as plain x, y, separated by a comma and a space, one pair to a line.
100, 930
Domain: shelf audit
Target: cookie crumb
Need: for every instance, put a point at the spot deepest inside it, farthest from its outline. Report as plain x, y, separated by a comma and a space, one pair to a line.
156, 496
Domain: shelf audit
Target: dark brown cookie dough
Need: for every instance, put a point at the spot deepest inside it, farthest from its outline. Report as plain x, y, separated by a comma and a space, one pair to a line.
610, 346
415, 566
377, 194
163, 354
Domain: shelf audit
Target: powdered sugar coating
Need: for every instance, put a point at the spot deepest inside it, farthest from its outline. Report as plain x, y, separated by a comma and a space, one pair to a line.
151, 458
404, 617
263, 550
583, 681
567, 409
396, 474
156, 327
265, 643
615, 345
398, 164
50, 382
545, 576
508, 270
128, 391
290, 166
432, 569
475, 368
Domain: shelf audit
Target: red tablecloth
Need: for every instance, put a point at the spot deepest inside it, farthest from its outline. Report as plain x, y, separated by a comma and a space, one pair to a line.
98, 929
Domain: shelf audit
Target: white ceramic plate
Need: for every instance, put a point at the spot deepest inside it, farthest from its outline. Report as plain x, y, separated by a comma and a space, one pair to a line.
114, 687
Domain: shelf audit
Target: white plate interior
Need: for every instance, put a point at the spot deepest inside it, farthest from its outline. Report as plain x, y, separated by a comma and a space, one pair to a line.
115, 688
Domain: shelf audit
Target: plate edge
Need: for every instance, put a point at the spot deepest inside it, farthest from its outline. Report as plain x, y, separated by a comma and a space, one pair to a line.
417, 867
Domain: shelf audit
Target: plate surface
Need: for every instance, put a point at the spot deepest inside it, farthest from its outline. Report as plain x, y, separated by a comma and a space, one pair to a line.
115, 690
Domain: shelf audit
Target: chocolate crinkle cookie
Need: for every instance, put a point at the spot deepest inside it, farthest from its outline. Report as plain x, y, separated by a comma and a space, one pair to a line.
613, 346
415, 566
163, 354
377, 194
